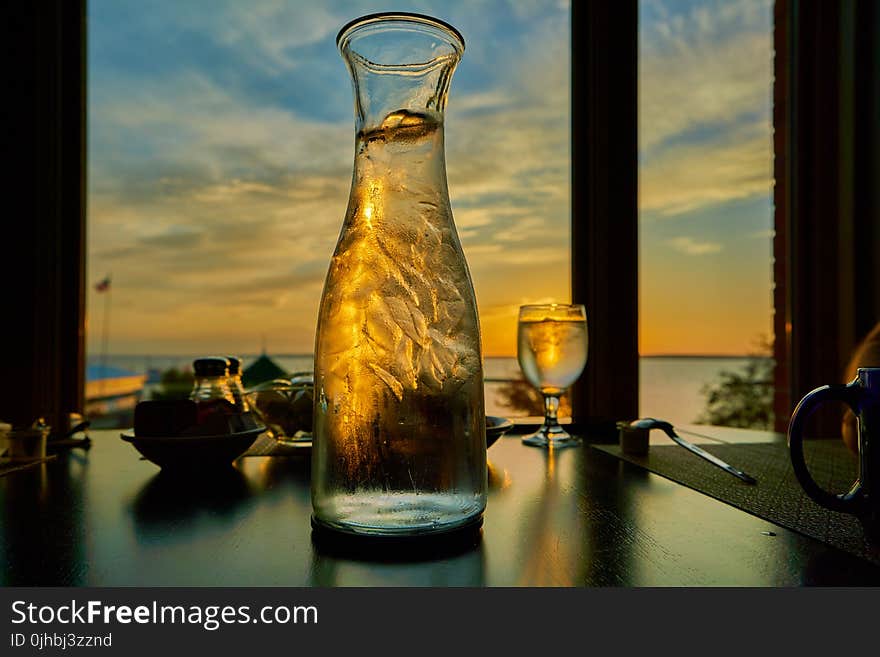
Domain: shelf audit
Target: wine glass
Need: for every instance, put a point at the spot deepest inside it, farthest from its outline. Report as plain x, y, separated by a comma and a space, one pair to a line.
552, 353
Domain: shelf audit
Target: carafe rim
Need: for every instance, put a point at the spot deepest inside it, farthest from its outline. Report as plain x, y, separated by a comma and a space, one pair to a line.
456, 39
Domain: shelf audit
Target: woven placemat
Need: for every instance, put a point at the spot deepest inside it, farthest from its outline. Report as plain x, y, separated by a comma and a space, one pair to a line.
777, 497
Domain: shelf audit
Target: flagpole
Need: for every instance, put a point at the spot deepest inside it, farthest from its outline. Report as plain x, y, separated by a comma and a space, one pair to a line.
105, 332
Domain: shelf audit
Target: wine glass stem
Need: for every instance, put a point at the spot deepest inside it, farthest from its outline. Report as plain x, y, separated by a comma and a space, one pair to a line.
551, 406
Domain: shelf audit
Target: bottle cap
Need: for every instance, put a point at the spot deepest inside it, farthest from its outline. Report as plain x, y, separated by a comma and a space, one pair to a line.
211, 366
234, 365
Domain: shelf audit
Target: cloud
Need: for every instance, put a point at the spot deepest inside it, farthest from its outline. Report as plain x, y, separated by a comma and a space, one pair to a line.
735, 164
707, 65
267, 30
690, 246
705, 98
173, 239
188, 128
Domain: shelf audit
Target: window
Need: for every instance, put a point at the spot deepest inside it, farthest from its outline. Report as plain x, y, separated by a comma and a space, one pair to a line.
706, 211
220, 155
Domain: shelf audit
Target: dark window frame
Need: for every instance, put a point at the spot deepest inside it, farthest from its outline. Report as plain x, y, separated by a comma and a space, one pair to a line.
604, 210
43, 266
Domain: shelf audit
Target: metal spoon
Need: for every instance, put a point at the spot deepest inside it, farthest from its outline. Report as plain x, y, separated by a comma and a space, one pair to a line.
651, 423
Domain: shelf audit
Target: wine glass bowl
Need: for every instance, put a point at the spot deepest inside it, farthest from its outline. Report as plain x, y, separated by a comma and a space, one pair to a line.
552, 345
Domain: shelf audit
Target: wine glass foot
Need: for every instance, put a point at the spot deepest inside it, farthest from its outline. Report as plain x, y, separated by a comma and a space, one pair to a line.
555, 437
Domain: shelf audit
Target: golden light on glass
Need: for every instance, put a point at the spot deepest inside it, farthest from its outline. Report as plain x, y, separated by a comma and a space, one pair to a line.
552, 352
400, 430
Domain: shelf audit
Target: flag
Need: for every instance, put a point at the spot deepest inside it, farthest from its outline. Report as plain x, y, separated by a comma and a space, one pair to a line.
104, 285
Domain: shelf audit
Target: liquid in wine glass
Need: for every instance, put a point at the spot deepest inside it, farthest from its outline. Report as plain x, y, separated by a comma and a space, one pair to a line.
552, 351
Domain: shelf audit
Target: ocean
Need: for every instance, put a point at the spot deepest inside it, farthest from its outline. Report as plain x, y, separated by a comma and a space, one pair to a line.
669, 387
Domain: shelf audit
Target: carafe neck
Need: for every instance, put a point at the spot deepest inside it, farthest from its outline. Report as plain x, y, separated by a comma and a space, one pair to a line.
399, 65
381, 97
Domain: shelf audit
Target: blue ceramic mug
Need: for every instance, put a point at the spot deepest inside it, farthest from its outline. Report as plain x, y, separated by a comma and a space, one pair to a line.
862, 395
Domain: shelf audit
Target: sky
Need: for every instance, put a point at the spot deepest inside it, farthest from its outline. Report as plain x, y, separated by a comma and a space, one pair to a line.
705, 176
221, 143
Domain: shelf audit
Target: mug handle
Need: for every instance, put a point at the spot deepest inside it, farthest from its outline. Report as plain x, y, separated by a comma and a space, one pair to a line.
849, 394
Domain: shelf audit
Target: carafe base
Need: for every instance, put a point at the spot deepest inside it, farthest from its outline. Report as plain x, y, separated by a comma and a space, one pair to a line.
462, 525
332, 541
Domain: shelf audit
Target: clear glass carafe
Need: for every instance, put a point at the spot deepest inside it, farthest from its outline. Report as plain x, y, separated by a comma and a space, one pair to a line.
399, 427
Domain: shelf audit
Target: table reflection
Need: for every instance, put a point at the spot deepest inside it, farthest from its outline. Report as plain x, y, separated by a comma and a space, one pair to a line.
553, 526
43, 525
172, 505
454, 560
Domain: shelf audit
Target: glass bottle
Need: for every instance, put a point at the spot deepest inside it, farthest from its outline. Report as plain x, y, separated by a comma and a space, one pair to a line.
212, 395
399, 444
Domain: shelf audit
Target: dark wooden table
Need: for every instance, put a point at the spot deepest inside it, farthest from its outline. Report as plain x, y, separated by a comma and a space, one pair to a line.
577, 517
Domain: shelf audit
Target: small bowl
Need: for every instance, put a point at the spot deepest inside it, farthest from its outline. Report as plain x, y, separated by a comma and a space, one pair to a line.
495, 428
193, 452
285, 407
